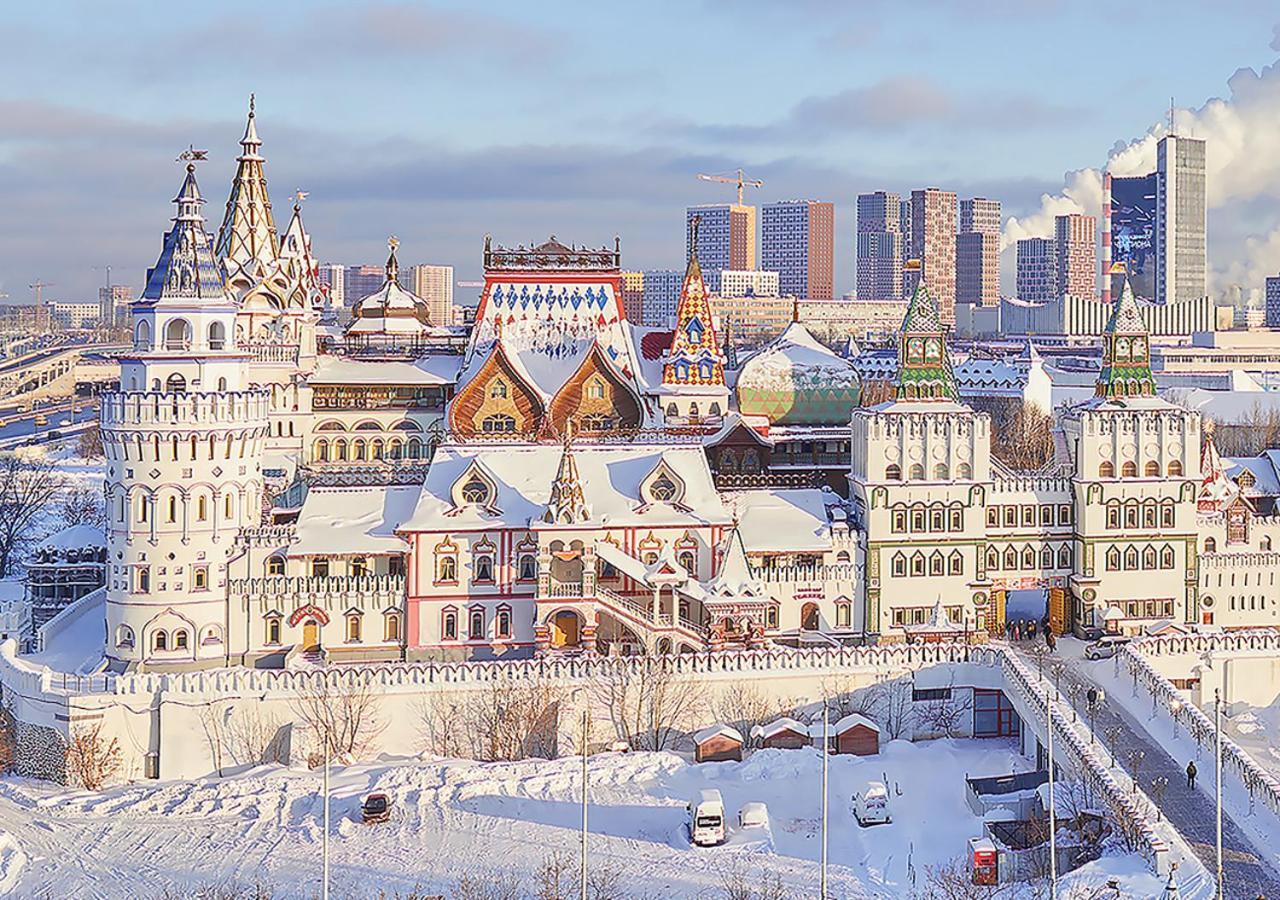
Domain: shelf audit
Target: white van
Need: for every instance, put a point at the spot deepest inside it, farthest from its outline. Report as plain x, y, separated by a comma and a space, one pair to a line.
871, 806
706, 819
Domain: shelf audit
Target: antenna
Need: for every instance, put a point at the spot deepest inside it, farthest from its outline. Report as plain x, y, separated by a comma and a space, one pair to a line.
1171, 115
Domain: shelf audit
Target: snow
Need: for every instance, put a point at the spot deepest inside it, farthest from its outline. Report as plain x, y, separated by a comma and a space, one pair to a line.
353, 520
714, 731
853, 720
796, 360
791, 520
77, 636
437, 369
455, 817
12, 862
75, 537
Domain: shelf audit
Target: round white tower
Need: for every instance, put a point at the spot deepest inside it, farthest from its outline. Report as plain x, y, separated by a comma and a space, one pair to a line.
183, 439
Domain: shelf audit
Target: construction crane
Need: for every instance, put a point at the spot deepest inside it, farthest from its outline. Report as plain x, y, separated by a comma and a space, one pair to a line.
741, 181
38, 287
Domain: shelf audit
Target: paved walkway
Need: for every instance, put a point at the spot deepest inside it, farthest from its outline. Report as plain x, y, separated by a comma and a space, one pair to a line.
1193, 813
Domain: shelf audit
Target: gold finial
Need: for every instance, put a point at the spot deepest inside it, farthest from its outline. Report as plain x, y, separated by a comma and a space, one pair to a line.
299, 196
251, 104
392, 243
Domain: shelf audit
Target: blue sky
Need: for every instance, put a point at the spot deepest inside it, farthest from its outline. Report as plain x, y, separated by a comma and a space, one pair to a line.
439, 122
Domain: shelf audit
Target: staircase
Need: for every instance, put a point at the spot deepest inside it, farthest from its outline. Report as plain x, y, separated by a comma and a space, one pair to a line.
638, 615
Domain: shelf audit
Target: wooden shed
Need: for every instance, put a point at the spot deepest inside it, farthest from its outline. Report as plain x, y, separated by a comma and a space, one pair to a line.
782, 734
857, 735
717, 743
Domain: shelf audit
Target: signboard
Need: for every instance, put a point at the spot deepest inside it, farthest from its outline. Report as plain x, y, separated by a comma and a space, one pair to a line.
1133, 235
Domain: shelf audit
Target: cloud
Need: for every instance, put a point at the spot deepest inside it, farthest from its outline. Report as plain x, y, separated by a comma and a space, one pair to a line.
1242, 166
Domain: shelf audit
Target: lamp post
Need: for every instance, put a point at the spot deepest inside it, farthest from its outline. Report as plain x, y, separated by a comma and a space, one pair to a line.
1112, 732
1217, 789
1158, 786
324, 886
1092, 698
1053, 818
1135, 764
822, 877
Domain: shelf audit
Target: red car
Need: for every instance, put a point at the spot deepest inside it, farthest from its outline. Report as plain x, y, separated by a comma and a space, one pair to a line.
376, 808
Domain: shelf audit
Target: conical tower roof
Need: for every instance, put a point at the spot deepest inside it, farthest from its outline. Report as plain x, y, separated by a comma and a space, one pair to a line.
298, 266
568, 504
1126, 352
924, 363
248, 246
694, 356
186, 269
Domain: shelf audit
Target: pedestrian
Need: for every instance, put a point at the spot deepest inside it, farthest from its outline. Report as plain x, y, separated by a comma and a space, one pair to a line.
1031, 630
1051, 641
1191, 775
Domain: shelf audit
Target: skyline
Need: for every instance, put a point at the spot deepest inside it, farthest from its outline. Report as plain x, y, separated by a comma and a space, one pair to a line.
403, 128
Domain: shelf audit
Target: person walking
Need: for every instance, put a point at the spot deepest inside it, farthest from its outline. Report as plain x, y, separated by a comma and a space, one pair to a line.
1050, 640
1191, 775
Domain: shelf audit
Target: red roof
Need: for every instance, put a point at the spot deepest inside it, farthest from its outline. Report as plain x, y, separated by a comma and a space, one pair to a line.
655, 343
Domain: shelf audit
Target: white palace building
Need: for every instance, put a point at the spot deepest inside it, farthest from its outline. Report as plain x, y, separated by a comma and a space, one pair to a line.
557, 482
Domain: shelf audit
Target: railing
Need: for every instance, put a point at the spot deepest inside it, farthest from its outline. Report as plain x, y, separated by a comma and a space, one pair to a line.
558, 589
274, 353
129, 408
825, 573
282, 585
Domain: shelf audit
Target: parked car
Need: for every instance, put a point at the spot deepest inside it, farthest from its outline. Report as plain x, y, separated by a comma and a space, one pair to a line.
376, 808
706, 819
753, 815
871, 805
1106, 646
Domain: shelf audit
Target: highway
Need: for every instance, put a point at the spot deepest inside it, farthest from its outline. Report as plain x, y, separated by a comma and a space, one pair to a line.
16, 427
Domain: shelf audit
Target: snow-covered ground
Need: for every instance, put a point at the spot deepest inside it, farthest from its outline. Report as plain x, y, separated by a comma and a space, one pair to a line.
456, 817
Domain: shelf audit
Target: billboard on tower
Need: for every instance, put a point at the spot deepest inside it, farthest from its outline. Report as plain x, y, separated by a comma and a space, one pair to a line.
1132, 203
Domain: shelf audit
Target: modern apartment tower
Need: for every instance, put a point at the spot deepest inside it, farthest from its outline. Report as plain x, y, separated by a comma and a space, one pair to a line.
1181, 222
933, 243
434, 284
797, 240
978, 253
1272, 319
661, 294
1037, 270
726, 239
879, 246
633, 296
1075, 236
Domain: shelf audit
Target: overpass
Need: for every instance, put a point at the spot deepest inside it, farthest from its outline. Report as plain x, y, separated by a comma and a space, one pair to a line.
50, 371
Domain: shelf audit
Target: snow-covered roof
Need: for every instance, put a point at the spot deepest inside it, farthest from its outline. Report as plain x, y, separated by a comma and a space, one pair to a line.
778, 726
1228, 407
611, 475
853, 720
796, 358
714, 731
75, 537
376, 324
780, 520
436, 369
1265, 481
353, 520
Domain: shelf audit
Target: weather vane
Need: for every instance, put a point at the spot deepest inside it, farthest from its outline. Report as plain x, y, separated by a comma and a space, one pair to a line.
393, 242
191, 154
299, 195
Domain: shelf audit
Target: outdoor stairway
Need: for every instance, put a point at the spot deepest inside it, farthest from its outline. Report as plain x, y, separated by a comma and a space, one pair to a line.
638, 615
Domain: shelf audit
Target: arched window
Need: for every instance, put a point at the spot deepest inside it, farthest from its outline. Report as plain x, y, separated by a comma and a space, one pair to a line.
899, 565
1046, 558
1064, 556
142, 336
177, 335
693, 410
171, 513
391, 628
447, 569
359, 567
1265, 545
1210, 545
180, 639
1166, 556
322, 450
993, 559
1113, 559
955, 563
353, 629
175, 384
941, 472
1010, 558
1151, 469
449, 625
917, 563
687, 561
217, 336
893, 472
1174, 469
842, 556
1149, 557
484, 568
1106, 469
1028, 557
228, 506
964, 471
497, 389
503, 623
124, 634
662, 489
1131, 559
936, 564
160, 640
357, 449
275, 565
528, 569
1129, 469
476, 490
273, 630
594, 389
475, 624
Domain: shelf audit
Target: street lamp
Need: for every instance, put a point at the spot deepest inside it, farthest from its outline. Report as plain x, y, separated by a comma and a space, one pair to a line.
1073, 692
826, 716
1135, 765
1158, 786
1217, 728
1093, 697
1112, 732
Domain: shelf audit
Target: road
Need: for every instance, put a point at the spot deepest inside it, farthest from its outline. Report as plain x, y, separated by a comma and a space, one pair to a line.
23, 425
1191, 811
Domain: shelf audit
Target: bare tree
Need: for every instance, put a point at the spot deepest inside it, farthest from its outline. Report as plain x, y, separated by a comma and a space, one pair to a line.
89, 444
82, 505
92, 759
947, 715
213, 723
340, 712
253, 737
1023, 439
1250, 434
897, 712
736, 884
743, 706
442, 726
845, 695
502, 721
27, 489
8, 737
499, 886
560, 878
648, 702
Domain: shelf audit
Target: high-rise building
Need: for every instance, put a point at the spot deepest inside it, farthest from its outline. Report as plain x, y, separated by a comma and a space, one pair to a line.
113, 303
361, 281
1180, 219
1129, 236
662, 294
334, 277
726, 239
797, 240
73, 314
434, 284
751, 283
981, 215
904, 226
633, 296
1273, 302
933, 242
879, 246
1075, 236
1037, 270
978, 252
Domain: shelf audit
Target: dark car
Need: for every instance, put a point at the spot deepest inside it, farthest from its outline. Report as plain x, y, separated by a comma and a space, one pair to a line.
376, 808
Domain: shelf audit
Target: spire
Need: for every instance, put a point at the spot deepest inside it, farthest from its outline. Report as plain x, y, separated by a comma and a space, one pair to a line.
186, 268
568, 504
730, 351
694, 356
393, 267
1217, 491
248, 245
1126, 352
297, 265
924, 365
